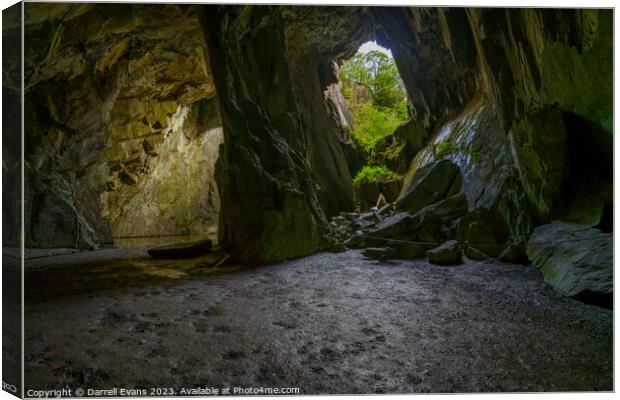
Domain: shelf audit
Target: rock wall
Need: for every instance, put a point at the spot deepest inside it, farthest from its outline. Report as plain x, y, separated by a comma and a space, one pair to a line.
11, 131
263, 173
316, 37
499, 92
170, 190
103, 82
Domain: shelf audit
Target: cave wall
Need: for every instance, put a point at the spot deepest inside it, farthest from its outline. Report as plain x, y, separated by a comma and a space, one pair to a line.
11, 130
498, 88
103, 85
312, 49
263, 172
168, 189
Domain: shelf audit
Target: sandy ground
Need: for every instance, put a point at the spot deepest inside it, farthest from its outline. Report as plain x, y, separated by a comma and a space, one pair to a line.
328, 323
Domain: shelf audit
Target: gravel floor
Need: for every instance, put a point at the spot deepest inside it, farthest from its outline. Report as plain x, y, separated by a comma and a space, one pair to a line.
328, 323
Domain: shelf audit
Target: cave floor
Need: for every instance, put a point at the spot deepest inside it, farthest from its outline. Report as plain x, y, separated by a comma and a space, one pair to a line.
327, 323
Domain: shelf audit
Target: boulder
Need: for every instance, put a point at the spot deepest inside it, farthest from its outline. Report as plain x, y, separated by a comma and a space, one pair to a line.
362, 223
355, 241
430, 228
448, 210
484, 230
429, 184
368, 193
576, 259
366, 220
447, 253
395, 225
428, 225
406, 250
338, 247
380, 253
395, 249
181, 250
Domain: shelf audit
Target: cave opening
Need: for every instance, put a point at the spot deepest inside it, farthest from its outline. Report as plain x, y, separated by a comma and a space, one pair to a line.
378, 104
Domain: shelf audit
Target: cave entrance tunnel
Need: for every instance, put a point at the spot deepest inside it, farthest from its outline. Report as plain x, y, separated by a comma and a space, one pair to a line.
161, 188
375, 106
126, 153
289, 145
153, 183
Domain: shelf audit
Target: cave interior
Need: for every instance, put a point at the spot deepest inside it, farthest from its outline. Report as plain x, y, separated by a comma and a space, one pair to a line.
155, 125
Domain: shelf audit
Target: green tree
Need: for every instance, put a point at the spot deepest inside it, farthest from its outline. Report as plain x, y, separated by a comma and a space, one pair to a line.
378, 72
376, 96
372, 125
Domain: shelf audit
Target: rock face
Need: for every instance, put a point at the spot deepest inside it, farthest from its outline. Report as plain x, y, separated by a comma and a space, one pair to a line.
312, 47
106, 154
429, 185
541, 147
172, 190
262, 169
484, 230
576, 259
490, 91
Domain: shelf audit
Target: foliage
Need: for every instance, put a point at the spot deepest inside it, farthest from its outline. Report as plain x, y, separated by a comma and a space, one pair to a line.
378, 72
376, 96
374, 124
371, 174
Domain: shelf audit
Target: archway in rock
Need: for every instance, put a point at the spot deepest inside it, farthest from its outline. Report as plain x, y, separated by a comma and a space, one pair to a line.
374, 109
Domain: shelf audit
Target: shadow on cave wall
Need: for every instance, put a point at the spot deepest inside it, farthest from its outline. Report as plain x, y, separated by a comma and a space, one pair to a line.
588, 192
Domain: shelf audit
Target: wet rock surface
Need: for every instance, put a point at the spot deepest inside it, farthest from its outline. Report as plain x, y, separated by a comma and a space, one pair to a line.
263, 169
430, 184
328, 323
